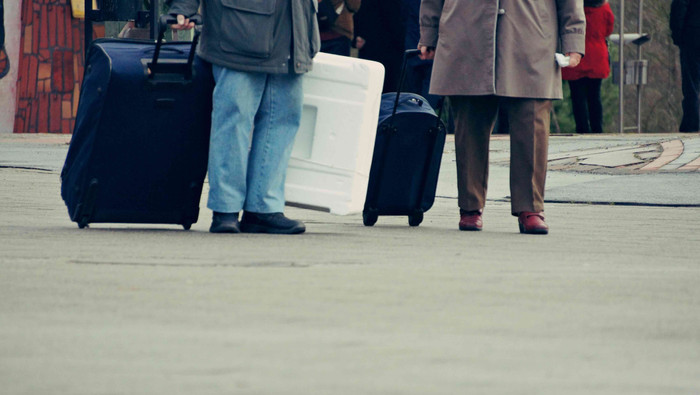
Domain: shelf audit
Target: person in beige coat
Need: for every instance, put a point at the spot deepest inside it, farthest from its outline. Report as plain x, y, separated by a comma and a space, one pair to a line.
492, 55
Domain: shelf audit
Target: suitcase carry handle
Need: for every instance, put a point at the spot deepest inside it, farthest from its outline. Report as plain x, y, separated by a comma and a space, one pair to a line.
163, 23
171, 19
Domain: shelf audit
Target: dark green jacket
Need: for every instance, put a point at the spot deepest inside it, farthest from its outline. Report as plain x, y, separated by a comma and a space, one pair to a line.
256, 35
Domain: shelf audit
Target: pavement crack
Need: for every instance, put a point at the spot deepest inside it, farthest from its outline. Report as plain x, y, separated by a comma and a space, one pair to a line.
267, 264
26, 168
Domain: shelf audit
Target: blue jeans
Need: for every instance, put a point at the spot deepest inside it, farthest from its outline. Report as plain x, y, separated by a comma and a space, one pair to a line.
248, 172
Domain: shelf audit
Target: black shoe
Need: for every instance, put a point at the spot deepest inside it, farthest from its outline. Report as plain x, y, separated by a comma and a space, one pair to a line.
275, 223
225, 223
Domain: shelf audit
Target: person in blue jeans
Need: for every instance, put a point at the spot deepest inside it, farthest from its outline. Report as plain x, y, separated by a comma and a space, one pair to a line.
259, 51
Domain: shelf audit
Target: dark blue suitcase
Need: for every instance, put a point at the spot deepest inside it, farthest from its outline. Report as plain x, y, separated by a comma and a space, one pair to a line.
140, 145
406, 160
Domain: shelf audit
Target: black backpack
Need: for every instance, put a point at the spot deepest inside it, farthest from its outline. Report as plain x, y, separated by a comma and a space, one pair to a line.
326, 15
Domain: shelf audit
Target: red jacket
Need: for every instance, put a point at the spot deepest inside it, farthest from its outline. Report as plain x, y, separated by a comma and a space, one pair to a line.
599, 25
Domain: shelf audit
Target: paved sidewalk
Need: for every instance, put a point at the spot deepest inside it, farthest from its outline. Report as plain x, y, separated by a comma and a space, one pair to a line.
606, 304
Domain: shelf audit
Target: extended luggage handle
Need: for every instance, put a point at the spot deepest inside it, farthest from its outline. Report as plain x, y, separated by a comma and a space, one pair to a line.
163, 23
406, 55
409, 53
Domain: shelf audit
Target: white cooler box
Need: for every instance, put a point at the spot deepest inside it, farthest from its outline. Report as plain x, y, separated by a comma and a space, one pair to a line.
332, 155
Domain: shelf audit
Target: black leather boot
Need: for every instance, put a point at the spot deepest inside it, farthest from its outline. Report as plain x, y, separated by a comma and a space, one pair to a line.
225, 223
275, 223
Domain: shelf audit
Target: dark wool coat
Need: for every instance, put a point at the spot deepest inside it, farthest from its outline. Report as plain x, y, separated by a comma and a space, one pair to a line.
379, 23
596, 63
503, 48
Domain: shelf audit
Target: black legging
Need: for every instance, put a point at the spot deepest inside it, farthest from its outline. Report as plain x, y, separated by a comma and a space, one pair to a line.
2, 25
587, 107
690, 72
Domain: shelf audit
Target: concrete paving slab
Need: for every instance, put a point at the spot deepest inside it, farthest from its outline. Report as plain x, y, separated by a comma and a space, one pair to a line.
603, 305
691, 152
674, 189
34, 151
614, 159
672, 150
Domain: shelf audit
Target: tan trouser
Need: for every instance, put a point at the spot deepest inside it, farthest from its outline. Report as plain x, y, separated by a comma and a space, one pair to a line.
475, 117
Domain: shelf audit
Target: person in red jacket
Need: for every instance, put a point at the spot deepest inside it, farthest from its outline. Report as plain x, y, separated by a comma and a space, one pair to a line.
585, 79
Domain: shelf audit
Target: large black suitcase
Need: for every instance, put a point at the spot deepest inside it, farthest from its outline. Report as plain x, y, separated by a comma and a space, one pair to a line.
406, 160
140, 145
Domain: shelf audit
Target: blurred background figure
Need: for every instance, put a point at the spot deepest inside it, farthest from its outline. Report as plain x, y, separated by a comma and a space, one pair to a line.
418, 71
379, 36
337, 38
685, 31
586, 79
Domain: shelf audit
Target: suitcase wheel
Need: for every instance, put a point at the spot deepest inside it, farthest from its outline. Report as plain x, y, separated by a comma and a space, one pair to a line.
187, 226
415, 219
83, 223
369, 218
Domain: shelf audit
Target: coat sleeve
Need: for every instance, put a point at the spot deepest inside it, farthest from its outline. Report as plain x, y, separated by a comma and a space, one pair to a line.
352, 5
679, 8
572, 26
430, 12
183, 7
609, 20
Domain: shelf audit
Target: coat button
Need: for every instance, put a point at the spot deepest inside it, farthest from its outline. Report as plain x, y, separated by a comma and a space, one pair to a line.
501, 11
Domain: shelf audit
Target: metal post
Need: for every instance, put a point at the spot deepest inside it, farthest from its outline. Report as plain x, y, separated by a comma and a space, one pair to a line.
639, 57
621, 69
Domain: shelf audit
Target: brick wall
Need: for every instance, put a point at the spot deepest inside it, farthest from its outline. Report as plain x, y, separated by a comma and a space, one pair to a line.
50, 67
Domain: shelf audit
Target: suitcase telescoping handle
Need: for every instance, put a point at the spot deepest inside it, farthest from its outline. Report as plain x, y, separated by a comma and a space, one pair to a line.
163, 23
408, 54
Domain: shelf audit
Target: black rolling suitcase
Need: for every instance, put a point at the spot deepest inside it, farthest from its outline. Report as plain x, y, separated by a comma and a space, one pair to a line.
406, 160
140, 145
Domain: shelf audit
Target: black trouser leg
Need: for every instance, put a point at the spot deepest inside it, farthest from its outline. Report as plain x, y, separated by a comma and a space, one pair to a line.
2, 25
578, 103
336, 46
690, 72
595, 106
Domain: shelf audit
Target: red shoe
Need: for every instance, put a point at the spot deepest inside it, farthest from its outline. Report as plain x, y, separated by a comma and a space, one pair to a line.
470, 220
532, 223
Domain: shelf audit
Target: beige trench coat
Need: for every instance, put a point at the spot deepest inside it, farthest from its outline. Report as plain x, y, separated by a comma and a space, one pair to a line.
503, 48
